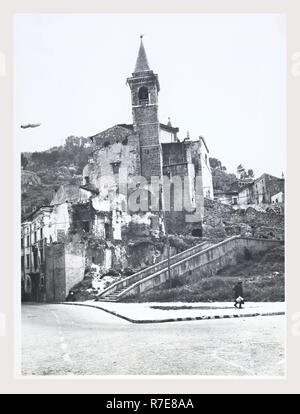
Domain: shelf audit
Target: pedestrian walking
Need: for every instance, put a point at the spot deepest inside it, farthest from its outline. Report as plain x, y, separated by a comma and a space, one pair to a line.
71, 296
238, 295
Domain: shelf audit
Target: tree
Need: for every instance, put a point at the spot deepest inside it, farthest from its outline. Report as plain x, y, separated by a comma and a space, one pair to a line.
250, 174
215, 163
241, 170
222, 180
24, 161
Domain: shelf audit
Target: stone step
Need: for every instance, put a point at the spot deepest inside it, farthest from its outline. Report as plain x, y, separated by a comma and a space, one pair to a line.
115, 295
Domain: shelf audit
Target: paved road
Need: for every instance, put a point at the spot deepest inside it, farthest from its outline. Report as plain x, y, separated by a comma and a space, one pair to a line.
75, 340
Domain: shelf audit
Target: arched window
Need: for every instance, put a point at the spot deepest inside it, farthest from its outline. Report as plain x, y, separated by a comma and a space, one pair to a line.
143, 96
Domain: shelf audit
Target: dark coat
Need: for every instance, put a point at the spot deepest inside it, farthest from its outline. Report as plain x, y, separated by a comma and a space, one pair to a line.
238, 290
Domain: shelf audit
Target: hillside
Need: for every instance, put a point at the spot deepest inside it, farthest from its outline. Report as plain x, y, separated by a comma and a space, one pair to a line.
43, 172
29, 179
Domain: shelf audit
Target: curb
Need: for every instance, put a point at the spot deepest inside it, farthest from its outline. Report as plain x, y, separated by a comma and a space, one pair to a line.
184, 319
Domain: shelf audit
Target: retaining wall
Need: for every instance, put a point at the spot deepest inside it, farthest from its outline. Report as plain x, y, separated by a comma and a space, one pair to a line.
203, 264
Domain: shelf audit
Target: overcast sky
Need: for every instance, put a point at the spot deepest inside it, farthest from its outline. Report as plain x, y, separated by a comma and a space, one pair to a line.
222, 76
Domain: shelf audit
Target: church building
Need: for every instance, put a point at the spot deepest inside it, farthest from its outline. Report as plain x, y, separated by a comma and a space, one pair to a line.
148, 148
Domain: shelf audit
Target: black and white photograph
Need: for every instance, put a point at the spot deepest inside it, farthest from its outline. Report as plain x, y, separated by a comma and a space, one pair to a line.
152, 165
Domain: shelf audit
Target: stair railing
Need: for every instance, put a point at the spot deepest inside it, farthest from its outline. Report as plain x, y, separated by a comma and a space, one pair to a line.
129, 280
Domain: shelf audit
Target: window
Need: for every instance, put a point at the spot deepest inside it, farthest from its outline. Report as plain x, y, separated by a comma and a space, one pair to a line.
87, 180
143, 96
27, 260
22, 243
35, 237
22, 262
42, 255
86, 226
35, 260
41, 234
234, 200
28, 241
106, 229
116, 167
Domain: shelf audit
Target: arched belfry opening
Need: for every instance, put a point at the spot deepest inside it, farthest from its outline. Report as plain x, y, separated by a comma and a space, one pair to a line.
143, 96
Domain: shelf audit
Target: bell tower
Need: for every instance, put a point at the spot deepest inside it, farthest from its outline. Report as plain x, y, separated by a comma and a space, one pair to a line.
144, 86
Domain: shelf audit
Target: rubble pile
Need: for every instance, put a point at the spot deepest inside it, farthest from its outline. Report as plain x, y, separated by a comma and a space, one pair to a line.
137, 255
94, 283
221, 220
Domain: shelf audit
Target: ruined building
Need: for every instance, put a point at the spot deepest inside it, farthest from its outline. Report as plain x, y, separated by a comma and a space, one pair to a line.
140, 181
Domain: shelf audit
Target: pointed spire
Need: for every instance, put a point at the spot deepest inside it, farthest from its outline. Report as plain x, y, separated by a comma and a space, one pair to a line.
141, 62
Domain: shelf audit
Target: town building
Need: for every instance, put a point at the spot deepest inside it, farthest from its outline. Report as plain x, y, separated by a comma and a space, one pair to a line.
262, 191
278, 198
229, 197
34, 237
39, 230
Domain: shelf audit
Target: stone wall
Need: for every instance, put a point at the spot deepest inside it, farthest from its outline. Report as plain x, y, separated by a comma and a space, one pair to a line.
74, 265
65, 266
55, 273
66, 192
116, 151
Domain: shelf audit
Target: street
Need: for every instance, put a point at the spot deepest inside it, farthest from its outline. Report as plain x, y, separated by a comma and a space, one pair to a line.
75, 340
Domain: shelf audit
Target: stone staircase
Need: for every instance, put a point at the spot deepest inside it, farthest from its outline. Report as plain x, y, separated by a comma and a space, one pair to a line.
202, 260
117, 290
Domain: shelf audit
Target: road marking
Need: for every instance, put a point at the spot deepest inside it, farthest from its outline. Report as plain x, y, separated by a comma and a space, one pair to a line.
177, 319
63, 344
